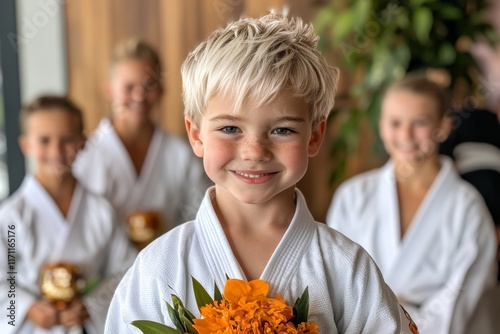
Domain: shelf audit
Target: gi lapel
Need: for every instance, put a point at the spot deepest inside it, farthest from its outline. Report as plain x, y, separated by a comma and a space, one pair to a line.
419, 237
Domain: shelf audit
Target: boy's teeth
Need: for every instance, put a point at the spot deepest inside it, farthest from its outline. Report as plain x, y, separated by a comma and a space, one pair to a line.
253, 176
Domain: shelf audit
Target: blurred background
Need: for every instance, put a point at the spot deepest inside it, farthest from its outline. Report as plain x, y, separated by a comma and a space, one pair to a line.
57, 46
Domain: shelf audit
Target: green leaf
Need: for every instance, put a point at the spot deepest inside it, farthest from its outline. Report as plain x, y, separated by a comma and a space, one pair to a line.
324, 19
201, 295
90, 285
450, 12
189, 326
343, 26
174, 316
301, 308
422, 23
361, 11
151, 327
447, 54
217, 294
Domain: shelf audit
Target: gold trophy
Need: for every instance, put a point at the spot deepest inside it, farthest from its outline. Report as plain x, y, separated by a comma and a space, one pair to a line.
61, 283
143, 227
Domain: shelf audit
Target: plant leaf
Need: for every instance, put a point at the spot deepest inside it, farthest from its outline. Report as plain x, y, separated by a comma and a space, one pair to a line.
201, 295
301, 308
343, 26
447, 54
217, 294
422, 23
151, 327
174, 316
189, 326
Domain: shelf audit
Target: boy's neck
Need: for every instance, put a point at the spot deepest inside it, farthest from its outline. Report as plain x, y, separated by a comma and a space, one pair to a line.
277, 212
254, 230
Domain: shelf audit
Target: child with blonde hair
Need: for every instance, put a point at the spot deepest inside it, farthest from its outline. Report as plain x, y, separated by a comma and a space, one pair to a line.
257, 94
429, 231
130, 159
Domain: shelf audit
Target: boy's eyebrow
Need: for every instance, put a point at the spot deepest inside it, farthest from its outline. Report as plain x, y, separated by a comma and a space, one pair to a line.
278, 119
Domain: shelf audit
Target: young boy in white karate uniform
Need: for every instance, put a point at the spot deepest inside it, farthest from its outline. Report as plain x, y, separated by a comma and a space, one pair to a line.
130, 159
257, 95
51, 218
429, 232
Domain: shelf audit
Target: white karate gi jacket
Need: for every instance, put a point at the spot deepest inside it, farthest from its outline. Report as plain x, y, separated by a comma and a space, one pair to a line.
445, 261
34, 230
346, 290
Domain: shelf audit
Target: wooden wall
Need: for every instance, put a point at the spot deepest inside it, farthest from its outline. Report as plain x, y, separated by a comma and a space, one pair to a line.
175, 27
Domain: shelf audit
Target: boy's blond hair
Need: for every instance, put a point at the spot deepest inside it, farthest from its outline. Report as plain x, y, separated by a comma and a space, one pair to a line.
254, 60
136, 49
48, 102
419, 83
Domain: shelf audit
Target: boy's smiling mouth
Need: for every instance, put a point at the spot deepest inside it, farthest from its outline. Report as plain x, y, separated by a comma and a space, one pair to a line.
252, 176
255, 177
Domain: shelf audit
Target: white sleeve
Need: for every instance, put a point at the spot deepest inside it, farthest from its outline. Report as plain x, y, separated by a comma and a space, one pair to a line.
473, 271
363, 302
14, 300
120, 256
137, 297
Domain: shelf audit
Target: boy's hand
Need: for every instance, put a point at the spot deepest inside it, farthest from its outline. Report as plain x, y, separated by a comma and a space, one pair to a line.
42, 314
74, 315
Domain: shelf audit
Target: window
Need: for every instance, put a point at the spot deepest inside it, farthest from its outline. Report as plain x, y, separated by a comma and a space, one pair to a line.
4, 177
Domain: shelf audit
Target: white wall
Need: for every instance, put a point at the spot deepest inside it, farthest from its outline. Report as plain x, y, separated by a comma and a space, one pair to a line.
42, 50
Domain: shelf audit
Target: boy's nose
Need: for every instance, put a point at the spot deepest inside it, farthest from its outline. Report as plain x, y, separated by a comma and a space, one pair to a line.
57, 150
256, 149
138, 93
406, 132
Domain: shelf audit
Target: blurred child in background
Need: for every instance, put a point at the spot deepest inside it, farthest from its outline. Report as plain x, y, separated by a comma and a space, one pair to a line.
51, 219
427, 229
129, 158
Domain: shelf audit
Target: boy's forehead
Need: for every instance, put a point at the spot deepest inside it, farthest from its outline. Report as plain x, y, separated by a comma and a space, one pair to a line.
285, 103
40, 117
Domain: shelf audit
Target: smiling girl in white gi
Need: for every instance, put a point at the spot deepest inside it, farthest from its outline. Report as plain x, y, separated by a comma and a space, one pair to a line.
429, 232
130, 159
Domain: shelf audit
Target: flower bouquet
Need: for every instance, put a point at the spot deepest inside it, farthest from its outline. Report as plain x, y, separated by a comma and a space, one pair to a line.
243, 308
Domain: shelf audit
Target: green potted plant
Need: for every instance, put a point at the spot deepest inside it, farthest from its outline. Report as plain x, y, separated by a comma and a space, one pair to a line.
376, 42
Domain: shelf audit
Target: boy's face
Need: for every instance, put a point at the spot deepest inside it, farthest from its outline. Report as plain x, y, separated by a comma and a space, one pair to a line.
52, 139
410, 126
134, 90
256, 153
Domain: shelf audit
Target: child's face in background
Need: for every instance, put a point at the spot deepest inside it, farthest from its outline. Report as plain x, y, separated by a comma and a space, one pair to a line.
256, 153
134, 89
409, 126
52, 140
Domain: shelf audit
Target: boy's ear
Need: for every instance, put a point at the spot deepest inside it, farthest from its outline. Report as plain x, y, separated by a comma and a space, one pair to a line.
108, 91
23, 144
194, 135
316, 139
443, 132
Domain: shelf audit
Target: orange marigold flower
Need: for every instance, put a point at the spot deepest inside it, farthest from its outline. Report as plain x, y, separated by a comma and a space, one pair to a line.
246, 309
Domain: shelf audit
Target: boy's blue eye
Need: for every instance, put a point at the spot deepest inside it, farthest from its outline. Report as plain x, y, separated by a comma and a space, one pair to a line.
282, 131
230, 129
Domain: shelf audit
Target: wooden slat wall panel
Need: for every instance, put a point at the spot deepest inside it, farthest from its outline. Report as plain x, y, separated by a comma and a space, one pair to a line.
175, 27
